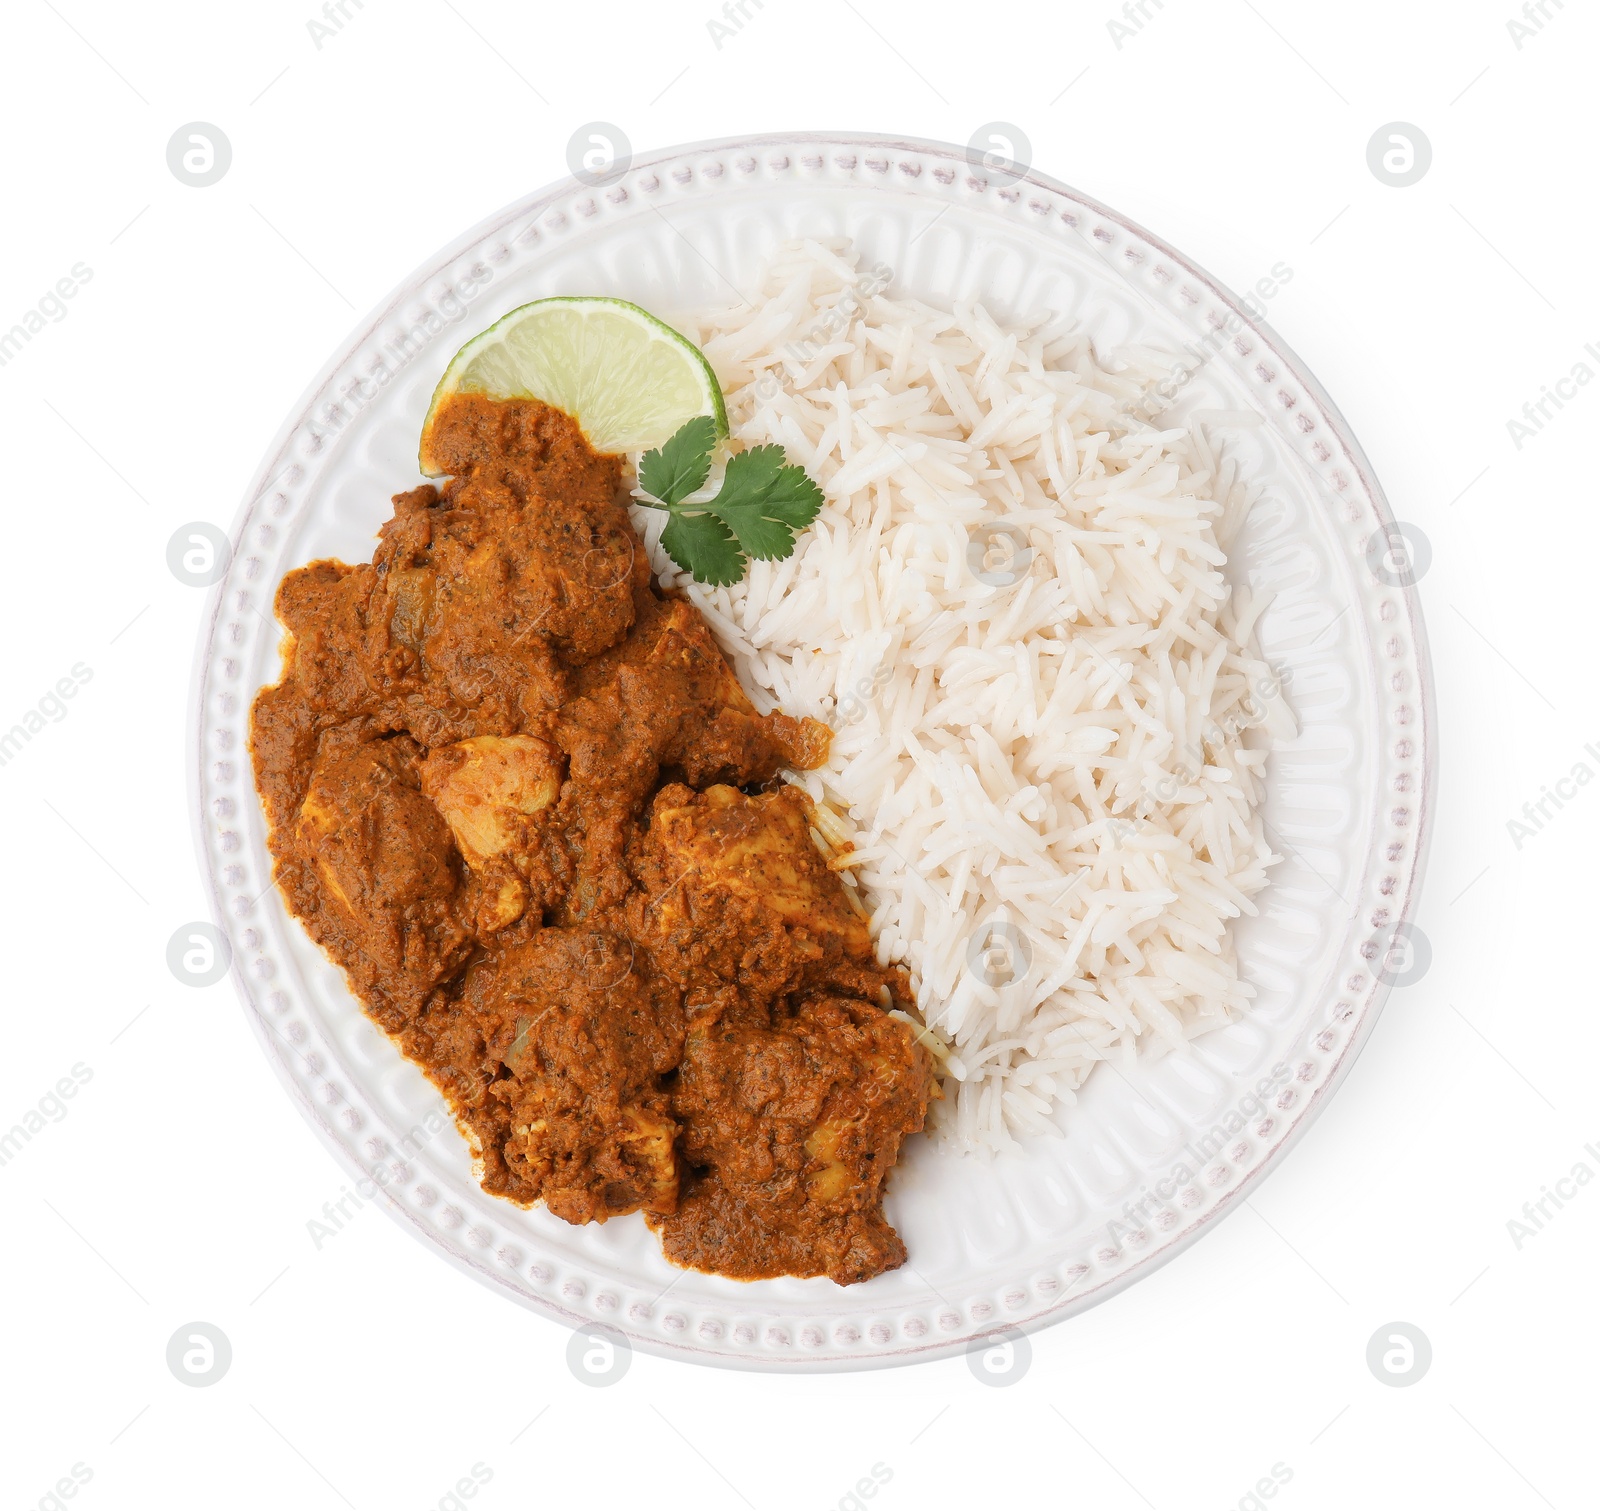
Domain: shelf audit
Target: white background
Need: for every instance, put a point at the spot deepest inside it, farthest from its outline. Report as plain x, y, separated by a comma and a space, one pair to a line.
180, 1183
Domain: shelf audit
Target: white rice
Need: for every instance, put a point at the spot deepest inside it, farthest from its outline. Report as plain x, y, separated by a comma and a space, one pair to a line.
1051, 779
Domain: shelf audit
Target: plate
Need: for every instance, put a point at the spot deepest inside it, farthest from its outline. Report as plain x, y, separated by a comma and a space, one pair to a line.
1150, 1158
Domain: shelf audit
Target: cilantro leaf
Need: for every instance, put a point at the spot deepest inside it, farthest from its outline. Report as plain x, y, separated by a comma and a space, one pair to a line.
753, 470
765, 502
762, 505
704, 547
673, 471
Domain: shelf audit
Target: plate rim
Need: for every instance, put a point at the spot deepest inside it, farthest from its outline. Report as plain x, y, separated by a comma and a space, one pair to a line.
1372, 1002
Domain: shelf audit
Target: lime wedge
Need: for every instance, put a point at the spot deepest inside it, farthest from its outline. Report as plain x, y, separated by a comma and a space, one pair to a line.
628, 380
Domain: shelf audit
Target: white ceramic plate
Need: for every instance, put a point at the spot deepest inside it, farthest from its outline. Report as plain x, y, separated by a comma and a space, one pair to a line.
1150, 1158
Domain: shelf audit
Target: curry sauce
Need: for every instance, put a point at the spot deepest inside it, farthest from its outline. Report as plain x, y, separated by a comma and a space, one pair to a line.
517, 794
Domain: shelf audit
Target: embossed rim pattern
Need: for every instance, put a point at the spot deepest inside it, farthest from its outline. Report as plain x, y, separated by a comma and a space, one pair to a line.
843, 1335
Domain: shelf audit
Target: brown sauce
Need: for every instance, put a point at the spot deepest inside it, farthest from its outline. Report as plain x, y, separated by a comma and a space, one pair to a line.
518, 795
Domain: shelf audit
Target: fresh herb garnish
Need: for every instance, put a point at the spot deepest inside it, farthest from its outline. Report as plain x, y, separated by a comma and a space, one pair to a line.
763, 503
675, 470
705, 548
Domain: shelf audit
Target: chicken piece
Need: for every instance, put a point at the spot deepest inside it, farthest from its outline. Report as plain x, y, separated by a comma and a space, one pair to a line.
490, 789
721, 846
531, 543
487, 786
686, 646
388, 874
702, 723
683, 644
662, 699
321, 607
792, 1128
575, 1044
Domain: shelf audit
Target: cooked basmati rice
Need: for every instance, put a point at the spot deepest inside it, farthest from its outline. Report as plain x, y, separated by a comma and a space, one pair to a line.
1043, 781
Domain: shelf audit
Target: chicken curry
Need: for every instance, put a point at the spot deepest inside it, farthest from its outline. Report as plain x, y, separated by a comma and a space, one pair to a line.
518, 795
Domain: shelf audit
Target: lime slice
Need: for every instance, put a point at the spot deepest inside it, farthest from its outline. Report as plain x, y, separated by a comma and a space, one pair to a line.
628, 380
